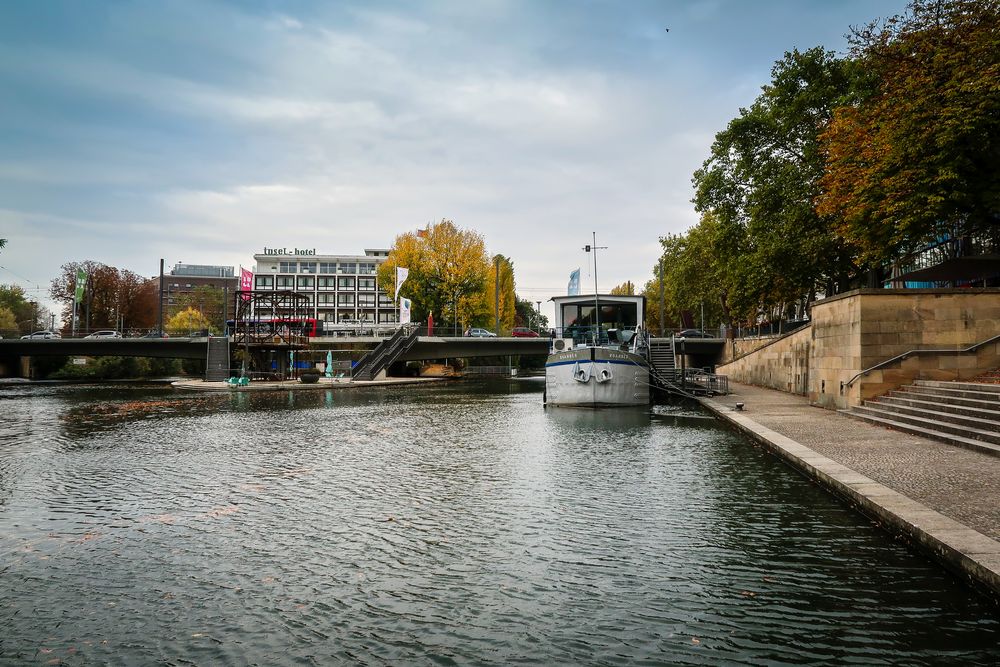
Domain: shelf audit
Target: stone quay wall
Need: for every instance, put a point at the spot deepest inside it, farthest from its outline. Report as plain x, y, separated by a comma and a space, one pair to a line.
856, 330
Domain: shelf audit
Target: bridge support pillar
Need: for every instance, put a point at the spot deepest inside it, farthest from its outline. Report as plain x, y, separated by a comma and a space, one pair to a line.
26, 368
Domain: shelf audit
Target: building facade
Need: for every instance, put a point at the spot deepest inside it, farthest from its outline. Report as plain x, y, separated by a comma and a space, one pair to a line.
183, 279
342, 289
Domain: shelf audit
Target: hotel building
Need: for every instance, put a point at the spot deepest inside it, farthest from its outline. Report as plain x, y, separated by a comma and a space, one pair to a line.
340, 288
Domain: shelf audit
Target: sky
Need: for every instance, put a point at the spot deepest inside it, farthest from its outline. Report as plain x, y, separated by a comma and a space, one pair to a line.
201, 132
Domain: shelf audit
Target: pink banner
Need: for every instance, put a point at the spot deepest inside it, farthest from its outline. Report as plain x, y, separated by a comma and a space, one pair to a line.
246, 283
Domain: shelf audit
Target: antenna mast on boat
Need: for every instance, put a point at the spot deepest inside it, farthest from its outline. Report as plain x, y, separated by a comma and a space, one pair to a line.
597, 304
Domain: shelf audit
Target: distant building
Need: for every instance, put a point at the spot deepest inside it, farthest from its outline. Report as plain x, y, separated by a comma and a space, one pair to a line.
184, 278
340, 288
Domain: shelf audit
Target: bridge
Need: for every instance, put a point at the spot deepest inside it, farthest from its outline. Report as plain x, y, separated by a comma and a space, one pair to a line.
701, 351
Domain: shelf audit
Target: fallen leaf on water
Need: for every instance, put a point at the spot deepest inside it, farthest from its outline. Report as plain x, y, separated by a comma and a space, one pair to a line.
695, 640
748, 594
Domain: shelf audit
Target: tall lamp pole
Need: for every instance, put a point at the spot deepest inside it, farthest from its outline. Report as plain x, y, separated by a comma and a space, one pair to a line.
597, 304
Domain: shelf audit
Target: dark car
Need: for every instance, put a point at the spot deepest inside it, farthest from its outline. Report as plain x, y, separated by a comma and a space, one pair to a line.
523, 332
694, 333
156, 334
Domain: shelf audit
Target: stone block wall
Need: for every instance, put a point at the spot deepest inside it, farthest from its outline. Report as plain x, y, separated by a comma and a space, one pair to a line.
854, 331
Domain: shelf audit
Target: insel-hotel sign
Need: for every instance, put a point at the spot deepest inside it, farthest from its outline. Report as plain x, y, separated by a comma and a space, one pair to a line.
286, 251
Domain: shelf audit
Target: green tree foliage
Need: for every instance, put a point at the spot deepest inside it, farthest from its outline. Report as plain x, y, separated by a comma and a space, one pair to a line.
626, 288
111, 294
8, 322
918, 157
25, 313
528, 316
485, 314
766, 242
206, 299
186, 322
448, 271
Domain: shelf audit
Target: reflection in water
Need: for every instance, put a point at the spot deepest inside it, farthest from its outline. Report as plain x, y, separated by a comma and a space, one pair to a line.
461, 522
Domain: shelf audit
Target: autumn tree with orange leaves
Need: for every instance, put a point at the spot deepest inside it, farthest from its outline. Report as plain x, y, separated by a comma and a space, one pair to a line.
918, 159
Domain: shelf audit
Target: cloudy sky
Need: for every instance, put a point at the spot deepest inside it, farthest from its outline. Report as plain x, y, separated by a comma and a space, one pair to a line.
200, 132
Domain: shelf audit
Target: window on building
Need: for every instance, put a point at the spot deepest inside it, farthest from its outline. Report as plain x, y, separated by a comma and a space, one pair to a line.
329, 284
285, 282
366, 269
384, 301
327, 267
307, 267
287, 267
347, 267
264, 282
345, 300
306, 282
389, 316
326, 299
366, 284
366, 300
345, 283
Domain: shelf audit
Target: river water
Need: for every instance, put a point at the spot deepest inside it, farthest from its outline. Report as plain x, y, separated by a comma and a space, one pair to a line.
457, 523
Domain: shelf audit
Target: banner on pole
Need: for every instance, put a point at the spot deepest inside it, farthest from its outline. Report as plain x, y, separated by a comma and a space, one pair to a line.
81, 284
404, 311
401, 274
573, 289
246, 283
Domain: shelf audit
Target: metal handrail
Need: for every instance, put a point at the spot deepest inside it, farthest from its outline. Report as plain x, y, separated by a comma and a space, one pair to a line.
904, 355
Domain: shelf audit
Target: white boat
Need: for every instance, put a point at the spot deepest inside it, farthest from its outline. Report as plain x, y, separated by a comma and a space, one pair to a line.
599, 356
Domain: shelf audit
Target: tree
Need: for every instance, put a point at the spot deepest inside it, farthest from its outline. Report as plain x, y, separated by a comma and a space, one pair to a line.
528, 316
626, 288
916, 159
448, 271
485, 313
25, 313
112, 296
8, 321
761, 180
187, 321
206, 299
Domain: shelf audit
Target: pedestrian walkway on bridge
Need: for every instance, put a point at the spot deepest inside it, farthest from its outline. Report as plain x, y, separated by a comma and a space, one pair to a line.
939, 497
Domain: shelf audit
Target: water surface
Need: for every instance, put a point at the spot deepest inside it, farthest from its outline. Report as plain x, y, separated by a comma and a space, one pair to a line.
459, 523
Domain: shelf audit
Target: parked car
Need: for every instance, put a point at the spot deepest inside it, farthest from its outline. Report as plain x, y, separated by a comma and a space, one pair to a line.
156, 334
523, 332
481, 333
42, 334
104, 334
694, 333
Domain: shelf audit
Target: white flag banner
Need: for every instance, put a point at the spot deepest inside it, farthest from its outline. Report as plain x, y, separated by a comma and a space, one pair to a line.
404, 311
401, 274
573, 288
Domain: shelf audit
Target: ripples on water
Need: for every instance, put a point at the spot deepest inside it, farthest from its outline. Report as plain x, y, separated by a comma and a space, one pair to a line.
446, 524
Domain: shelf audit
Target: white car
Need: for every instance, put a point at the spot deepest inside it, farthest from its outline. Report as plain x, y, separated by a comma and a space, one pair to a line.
104, 334
42, 334
481, 333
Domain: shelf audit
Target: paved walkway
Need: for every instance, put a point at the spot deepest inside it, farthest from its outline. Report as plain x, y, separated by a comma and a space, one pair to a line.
943, 497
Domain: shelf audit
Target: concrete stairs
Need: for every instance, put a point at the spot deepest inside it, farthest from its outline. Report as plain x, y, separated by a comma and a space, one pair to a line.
964, 414
217, 362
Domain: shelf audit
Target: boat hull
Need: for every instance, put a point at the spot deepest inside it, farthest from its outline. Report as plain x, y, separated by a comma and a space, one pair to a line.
596, 377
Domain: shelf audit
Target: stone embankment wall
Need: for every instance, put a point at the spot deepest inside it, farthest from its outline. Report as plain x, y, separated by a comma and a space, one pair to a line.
854, 331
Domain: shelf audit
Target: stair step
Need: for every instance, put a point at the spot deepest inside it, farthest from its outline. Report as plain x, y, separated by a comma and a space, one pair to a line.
985, 420
965, 386
982, 412
991, 435
952, 400
958, 441
992, 397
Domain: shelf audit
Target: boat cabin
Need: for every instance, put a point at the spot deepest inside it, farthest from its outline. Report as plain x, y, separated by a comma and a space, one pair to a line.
618, 316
